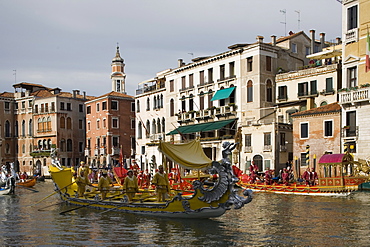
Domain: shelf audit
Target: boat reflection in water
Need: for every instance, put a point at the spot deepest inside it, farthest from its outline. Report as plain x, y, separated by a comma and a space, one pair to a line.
270, 220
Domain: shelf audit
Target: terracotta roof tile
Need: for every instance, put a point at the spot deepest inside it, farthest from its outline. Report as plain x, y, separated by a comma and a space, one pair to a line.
7, 95
116, 94
333, 107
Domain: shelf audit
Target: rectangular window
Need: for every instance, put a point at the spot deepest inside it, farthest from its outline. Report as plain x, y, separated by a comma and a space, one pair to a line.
115, 123
201, 77
210, 75
303, 159
282, 139
46, 107
294, 48
133, 123
142, 149
97, 107
191, 80
115, 141
81, 108
69, 107
80, 147
282, 92
328, 128
304, 130
308, 50
30, 103
232, 69
172, 85
222, 72
104, 105
248, 140
351, 123
249, 64
352, 77
329, 85
52, 106
183, 82
88, 109
302, 89
132, 106
7, 106
42, 108
268, 63
313, 88
267, 164
114, 105
23, 104
352, 17
267, 139
80, 124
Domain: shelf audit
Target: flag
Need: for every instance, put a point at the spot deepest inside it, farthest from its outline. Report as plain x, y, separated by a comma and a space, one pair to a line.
367, 51
120, 157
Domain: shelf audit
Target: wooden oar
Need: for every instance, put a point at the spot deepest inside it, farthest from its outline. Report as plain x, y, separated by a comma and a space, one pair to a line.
90, 203
54, 204
23, 187
56, 191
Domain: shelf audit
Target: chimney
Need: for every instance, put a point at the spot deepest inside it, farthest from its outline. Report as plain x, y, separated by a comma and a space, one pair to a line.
260, 39
84, 94
273, 40
339, 41
322, 41
180, 62
312, 41
75, 93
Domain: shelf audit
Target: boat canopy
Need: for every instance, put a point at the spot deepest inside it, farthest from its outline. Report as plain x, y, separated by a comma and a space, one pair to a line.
336, 159
188, 155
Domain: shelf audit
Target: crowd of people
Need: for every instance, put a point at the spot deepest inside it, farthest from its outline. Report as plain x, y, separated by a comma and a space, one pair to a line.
133, 180
284, 176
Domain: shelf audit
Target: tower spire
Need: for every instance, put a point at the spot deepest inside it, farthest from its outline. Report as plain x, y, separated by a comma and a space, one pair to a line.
118, 75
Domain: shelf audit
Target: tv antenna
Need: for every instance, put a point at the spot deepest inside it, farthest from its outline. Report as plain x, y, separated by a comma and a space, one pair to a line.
299, 19
284, 13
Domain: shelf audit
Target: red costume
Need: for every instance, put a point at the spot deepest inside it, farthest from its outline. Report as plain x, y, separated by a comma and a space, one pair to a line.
307, 176
285, 177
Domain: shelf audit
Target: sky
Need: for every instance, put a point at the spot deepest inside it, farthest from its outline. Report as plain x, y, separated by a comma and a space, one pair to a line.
70, 44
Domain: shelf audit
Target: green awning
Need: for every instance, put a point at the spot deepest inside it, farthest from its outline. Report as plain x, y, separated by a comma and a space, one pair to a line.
223, 93
200, 127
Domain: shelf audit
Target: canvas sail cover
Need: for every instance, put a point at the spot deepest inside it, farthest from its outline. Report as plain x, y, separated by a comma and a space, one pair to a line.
189, 155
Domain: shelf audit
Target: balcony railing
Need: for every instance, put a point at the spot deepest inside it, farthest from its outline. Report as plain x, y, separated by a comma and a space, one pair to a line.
248, 149
354, 96
267, 148
115, 150
350, 132
352, 35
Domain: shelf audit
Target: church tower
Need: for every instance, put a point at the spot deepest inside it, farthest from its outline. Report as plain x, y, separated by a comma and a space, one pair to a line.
118, 75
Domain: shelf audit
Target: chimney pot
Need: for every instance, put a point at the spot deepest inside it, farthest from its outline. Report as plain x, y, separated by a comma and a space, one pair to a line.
273, 40
260, 39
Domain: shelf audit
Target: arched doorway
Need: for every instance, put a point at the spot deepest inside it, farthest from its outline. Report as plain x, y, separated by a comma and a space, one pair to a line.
257, 159
37, 170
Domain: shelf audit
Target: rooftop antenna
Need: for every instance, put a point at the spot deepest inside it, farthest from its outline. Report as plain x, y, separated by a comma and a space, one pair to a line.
299, 19
284, 13
15, 75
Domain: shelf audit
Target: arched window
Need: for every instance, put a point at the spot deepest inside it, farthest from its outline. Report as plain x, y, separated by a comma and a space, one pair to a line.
39, 144
161, 101
7, 128
30, 128
49, 144
159, 129
48, 124
154, 127
172, 108
69, 123
39, 125
183, 104
148, 104
163, 125
44, 124
269, 91
62, 145
155, 102
137, 106
23, 128
147, 129
232, 95
201, 101
31, 148
16, 129
250, 91
191, 103
323, 103
23, 148
69, 145
62, 123
139, 131
7, 148
210, 96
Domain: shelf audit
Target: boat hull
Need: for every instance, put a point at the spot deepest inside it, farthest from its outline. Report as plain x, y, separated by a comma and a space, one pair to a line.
4, 191
28, 183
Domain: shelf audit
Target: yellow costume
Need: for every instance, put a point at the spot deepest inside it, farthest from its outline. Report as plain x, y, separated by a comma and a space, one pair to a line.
162, 185
131, 186
81, 182
103, 185
85, 169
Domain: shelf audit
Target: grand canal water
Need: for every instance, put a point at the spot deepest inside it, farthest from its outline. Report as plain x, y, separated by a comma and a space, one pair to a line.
269, 220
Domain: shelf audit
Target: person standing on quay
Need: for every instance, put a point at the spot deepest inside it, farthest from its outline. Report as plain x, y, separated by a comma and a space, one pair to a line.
130, 185
104, 183
162, 184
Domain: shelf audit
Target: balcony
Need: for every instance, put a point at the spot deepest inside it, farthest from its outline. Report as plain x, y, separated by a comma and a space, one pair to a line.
204, 114
283, 148
186, 117
102, 151
350, 132
248, 149
87, 152
115, 151
267, 148
352, 35
225, 111
354, 95
96, 151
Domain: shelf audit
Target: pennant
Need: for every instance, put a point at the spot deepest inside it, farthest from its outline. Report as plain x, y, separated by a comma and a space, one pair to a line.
367, 51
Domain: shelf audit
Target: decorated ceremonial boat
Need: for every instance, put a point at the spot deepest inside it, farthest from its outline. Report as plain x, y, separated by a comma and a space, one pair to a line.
204, 201
339, 175
7, 180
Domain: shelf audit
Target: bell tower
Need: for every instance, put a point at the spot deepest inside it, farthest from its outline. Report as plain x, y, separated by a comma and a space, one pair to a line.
118, 75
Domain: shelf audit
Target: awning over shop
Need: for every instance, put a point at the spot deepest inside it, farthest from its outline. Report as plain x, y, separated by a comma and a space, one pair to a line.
223, 93
200, 127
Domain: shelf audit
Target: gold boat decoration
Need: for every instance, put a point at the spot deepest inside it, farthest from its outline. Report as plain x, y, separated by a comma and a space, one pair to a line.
208, 199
